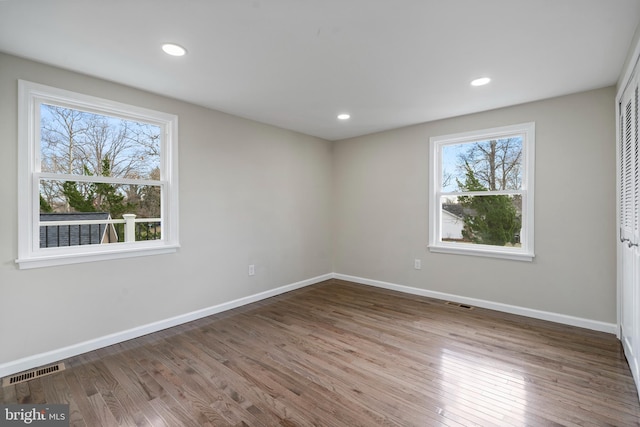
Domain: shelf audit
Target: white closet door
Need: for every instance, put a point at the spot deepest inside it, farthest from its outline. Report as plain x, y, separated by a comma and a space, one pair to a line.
629, 223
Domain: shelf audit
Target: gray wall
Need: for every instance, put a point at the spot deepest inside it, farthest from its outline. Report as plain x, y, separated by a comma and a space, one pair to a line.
381, 210
249, 193
632, 58
255, 194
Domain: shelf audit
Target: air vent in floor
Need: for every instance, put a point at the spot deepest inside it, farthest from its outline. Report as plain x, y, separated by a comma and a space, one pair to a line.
456, 304
32, 374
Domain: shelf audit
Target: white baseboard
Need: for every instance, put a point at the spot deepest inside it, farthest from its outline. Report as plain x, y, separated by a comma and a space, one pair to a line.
53, 356
506, 308
37, 360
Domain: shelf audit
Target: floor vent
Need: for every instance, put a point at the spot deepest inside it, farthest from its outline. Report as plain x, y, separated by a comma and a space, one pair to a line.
32, 374
456, 304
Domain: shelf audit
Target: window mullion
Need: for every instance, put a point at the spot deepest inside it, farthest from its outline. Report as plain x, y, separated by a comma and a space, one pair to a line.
483, 193
94, 178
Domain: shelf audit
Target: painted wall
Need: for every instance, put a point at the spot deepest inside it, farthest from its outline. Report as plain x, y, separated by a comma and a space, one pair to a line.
631, 60
249, 194
381, 210
255, 194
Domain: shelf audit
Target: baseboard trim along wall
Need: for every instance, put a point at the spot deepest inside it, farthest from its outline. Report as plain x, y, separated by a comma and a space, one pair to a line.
506, 308
37, 360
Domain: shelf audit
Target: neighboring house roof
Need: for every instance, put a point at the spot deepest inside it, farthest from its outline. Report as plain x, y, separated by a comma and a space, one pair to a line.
75, 235
454, 209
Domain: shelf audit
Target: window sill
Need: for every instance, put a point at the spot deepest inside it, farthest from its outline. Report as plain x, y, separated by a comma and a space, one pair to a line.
38, 261
482, 252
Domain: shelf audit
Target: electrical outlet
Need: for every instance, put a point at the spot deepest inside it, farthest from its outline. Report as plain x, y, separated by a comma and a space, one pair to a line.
417, 264
252, 270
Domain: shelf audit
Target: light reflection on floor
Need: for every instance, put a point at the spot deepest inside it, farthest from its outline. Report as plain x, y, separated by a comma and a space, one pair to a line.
479, 389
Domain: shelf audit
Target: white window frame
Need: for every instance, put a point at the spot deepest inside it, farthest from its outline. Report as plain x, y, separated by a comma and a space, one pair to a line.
30, 255
526, 251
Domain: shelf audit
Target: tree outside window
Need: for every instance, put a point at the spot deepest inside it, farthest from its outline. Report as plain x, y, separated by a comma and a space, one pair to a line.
75, 142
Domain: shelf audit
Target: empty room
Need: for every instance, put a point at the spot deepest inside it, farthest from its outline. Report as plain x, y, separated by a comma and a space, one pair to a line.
319, 213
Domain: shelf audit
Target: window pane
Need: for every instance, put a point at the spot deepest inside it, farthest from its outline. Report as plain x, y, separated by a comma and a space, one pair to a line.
76, 202
80, 143
482, 165
487, 220
61, 235
58, 196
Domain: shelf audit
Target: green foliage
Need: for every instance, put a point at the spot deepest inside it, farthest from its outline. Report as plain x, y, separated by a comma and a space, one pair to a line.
149, 204
78, 200
45, 207
490, 219
108, 198
96, 197
74, 142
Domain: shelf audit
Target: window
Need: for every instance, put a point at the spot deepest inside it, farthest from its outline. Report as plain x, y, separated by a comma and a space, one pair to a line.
481, 193
97, 179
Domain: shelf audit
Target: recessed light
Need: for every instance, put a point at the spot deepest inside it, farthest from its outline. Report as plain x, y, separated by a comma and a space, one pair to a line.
344, 116
174, 49
481, 81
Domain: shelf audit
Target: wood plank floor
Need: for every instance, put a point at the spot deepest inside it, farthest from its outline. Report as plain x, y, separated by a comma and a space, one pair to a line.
343, 354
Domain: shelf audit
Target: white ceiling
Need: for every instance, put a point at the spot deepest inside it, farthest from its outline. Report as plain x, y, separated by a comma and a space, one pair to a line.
298, 63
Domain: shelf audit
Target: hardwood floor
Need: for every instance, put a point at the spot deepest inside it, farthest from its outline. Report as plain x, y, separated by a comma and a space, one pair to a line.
342, 354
